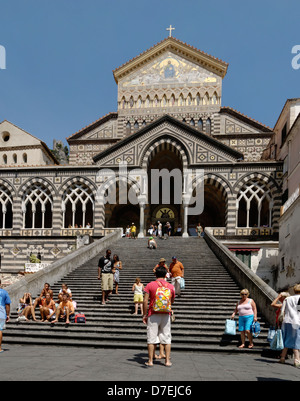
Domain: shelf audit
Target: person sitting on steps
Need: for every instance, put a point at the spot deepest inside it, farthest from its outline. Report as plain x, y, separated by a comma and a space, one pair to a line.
65, 310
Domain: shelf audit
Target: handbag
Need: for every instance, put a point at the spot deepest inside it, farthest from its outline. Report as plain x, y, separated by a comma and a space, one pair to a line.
271, 334
230, 327
182, 283
277, 342
281, 315
255, 329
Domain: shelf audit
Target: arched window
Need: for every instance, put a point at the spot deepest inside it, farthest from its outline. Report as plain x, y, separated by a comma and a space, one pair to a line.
254, 205
147, 103
198, 99
131, 102
15, 158
164, 101
206, 99
214, 98
172, 101
200, 124
128, 128
4, 159
78, 206
192, 122
208, 126
136, 126
6, 216
181, 100
189, 100
24, 157
139, 102
37, 207
156, 102
123, 103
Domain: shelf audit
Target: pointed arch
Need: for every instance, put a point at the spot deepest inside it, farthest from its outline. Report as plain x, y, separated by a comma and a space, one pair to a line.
37, 206
215, 99
172, 102
206, 99
200, 124
181, 100
208, 126
78, 204
189, 100
254, 205
6, 202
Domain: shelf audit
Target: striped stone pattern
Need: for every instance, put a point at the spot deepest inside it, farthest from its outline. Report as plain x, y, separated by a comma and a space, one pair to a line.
16, 252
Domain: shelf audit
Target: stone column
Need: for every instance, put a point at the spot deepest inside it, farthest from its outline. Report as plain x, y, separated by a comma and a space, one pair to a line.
185, 200
17, 216
99, 218
58, 215
142, 203
231, 215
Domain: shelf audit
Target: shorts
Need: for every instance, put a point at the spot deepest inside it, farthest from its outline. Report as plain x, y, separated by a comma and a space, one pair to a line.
138, 298
2, 324
245, 322
62, 318
107, 282
291, 335
159, 325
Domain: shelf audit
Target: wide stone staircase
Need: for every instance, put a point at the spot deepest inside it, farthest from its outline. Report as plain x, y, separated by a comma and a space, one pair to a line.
208, 299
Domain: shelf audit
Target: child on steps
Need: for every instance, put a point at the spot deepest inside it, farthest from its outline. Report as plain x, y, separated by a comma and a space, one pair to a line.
138, 298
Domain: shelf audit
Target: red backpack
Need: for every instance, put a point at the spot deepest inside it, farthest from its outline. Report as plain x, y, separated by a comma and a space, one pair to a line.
80, 318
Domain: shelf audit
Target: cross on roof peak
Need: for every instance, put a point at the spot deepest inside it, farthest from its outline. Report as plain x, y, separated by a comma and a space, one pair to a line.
170, 29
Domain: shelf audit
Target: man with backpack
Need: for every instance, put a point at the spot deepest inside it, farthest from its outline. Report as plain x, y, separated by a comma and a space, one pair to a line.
157, 315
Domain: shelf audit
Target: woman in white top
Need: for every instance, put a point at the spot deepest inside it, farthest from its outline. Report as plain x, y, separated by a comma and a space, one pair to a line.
291, 326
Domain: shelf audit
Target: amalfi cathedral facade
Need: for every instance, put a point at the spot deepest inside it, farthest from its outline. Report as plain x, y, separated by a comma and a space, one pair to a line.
169, 116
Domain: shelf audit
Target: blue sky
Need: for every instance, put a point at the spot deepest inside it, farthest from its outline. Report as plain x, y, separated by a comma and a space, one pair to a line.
60, 55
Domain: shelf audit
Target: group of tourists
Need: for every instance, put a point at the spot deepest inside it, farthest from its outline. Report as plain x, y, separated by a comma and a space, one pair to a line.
159, 230
155, 302
131, 231
287, 319
51, 310
62, 309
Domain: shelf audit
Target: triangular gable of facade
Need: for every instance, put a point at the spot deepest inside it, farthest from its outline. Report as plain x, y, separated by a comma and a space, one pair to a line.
175, 46
234, 122
198, 147
90, 131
